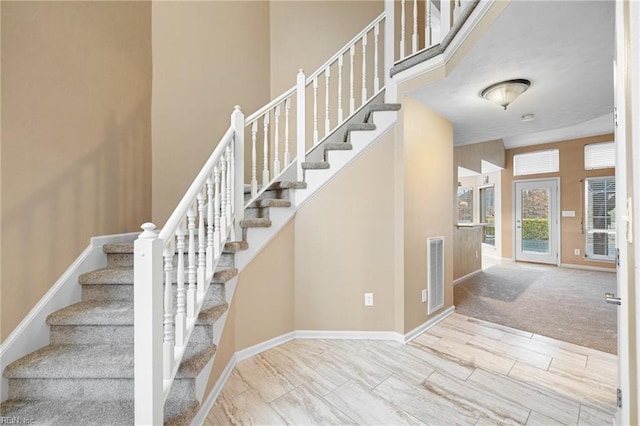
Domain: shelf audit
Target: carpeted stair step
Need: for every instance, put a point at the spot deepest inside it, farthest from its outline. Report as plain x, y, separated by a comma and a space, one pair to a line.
336, 146
357, 127
120, 255
117, 283
279, 190
235, 246
315, 165
380, 107
92, 413
93, 372
260, 208
111, 322
247, 224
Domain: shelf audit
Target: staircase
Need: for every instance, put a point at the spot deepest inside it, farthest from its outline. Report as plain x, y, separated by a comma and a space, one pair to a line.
85, 376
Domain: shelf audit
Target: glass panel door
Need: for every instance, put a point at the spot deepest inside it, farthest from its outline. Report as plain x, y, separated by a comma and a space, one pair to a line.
536, 221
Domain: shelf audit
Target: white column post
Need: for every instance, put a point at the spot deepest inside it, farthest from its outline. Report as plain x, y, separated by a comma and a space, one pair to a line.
147, 299
301, 121
237, 122
389, 49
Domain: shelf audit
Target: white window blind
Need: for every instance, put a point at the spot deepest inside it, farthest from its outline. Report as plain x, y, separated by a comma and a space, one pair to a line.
599, 155
600, 218
532, 163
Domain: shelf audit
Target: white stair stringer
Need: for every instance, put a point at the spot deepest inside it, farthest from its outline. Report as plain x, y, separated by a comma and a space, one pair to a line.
257, 238
361, 140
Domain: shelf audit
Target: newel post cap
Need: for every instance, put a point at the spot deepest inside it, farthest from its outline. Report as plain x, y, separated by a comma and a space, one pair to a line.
149, 231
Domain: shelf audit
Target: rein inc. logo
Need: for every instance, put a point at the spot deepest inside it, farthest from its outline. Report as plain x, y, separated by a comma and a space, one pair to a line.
5, 420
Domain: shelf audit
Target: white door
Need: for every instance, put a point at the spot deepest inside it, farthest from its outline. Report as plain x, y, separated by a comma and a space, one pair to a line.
536, 221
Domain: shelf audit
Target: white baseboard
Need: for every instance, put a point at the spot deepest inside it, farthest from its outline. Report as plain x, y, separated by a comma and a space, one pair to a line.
587, 267
32, 333
347, 334
207, 405
428, 324
456, 281
261, 347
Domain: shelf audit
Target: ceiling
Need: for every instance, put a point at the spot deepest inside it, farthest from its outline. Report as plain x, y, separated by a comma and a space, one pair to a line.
565, 48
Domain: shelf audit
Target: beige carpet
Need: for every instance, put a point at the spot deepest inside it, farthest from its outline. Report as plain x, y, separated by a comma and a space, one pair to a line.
565, 304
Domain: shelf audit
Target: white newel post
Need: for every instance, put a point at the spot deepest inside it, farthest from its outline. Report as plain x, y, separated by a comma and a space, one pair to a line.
237, 122
148, 327
300, 126
389, 49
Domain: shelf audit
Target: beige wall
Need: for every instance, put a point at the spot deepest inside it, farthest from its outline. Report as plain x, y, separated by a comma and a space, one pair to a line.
344, 248
207, 57
571, 197
427, 155
264, 298
467, 243
76, 144
471, 156
305, 34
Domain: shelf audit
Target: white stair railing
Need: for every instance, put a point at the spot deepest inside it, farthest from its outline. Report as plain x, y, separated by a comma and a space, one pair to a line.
437, 18
362, 58
209, 213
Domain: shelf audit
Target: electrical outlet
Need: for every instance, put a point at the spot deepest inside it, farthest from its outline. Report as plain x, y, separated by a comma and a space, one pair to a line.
368, 299
424, 295
576, 252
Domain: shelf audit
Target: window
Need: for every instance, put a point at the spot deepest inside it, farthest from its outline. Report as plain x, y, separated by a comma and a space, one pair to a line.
600, 227
532, 163
488, 215
600, 156
465, 205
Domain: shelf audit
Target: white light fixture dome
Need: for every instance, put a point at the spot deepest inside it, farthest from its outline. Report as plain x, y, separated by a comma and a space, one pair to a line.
505, 92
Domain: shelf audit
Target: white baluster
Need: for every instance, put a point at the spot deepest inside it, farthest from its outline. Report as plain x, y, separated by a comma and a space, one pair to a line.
352, 99
376, 66
168, 338
216, 212
402, 28
223, 198
327, 123
414, 36
315, 111
192, 267
276, 153
301, 118
202, 245
364, 68
265, 148
254, 166
227, 157
428, 29
181, 311
211, 253
287, 154
340, 110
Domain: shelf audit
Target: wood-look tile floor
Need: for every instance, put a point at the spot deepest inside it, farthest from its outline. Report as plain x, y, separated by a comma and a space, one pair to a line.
462, 371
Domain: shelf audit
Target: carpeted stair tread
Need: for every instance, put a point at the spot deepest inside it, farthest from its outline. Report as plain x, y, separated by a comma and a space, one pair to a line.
269, 202
380, 107
255, 223
288, 185
124, 276
107, 276
92, 413
116, 312
235, 246
115, 248
95, 362
338, 146
315, 165
353, 127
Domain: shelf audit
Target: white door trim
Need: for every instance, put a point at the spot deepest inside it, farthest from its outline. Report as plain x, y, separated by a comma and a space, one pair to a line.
555, 210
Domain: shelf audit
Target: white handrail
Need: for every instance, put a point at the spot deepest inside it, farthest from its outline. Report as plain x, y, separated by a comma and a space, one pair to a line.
187, 200
346, 47
253, 117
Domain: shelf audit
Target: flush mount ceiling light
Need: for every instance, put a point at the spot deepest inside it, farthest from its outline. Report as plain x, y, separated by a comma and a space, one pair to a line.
505, 92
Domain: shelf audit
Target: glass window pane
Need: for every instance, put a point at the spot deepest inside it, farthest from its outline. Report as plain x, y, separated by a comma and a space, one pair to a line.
535, 221
600, 226
488, 215
465, 205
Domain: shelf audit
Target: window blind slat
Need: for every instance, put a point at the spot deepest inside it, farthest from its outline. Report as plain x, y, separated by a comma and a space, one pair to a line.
600, 155
532, 163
